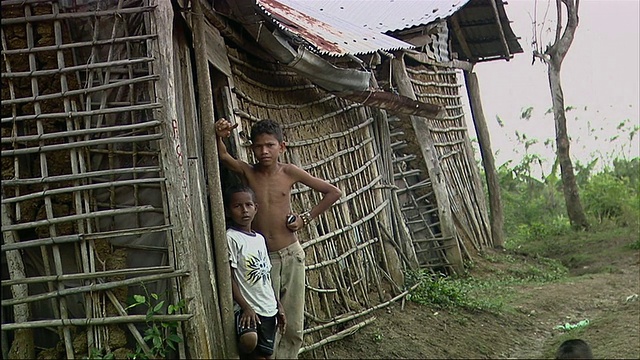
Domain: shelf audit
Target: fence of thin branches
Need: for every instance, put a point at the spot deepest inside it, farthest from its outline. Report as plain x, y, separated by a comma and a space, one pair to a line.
84, 218
439, 85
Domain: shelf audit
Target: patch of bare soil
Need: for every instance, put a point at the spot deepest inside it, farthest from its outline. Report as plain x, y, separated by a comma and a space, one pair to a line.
601, 290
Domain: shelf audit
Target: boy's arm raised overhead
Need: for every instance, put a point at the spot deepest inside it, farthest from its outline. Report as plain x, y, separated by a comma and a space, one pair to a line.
223, 130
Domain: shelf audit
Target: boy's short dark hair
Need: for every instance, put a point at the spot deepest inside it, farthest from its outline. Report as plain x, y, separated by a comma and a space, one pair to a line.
574, 349
228, 193
267, 126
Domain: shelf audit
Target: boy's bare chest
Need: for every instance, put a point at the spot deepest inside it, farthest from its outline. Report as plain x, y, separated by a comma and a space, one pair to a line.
272, 189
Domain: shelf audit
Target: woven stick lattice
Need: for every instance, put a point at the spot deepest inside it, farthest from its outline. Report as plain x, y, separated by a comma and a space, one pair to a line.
81, 171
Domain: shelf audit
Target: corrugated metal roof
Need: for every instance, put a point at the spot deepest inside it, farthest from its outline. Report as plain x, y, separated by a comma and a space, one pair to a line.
476, 17
329, 36
380, 15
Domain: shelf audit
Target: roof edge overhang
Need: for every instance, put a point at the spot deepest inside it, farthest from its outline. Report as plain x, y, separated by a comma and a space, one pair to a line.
301, 60
347, 83
508, 42
337, 38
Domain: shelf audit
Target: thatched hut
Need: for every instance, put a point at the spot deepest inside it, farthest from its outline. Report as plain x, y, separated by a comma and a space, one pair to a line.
111, 191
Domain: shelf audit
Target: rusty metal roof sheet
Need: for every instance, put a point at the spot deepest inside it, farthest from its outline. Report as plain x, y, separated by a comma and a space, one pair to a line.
327, 35
380, 15
476, 17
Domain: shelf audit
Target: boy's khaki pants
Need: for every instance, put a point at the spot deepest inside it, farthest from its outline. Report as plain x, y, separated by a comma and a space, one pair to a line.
287, 278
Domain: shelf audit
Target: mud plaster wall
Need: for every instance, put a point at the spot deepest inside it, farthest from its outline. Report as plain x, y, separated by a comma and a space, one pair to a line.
56, 163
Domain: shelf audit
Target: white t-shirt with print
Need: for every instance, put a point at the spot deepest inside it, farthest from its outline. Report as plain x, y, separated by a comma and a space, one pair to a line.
250, 267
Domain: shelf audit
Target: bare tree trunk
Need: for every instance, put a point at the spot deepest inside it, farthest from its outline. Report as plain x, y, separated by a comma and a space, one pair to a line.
569, 185
553, 57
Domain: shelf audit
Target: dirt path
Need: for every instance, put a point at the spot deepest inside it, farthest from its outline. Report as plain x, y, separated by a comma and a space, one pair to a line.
604, 291
606, 300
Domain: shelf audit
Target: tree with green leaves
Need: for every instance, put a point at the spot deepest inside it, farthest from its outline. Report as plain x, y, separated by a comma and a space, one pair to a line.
553, 56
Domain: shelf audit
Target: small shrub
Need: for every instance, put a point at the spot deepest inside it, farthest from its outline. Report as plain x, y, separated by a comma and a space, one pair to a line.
162, 335
634, 245
377, 336
544, 228
96, 353
442, 292
606, 196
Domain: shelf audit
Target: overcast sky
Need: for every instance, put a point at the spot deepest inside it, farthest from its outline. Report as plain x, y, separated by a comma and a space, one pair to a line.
599, 77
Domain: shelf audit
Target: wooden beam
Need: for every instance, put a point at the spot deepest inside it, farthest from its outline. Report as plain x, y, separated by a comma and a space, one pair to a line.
220, 251
22, 346
190, 252
461, 38
493, 184
398, 104
424, 59
503, 39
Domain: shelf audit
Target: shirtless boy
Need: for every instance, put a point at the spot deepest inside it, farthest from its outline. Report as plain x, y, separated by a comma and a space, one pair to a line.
272, 181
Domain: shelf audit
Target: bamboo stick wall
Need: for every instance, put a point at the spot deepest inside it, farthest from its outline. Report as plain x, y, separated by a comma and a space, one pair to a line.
448, 140
439, 85
347, 271
417, 199
85, 219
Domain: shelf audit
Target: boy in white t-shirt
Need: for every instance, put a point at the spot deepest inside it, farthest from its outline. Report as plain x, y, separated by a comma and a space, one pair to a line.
257, 310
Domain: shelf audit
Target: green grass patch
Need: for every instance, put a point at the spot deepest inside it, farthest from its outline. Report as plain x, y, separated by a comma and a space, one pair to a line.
490, 281
440, 291
490, 292
579, 248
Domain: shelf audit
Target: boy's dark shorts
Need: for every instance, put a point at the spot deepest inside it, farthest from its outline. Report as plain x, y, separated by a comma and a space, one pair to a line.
266, 333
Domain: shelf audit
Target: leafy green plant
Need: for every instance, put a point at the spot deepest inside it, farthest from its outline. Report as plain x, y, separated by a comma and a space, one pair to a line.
442, 292
96, 353
554, 226
629, 170
162, 335
606, 196
377, 336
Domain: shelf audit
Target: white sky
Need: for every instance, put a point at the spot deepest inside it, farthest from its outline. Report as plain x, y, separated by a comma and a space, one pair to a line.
600, 72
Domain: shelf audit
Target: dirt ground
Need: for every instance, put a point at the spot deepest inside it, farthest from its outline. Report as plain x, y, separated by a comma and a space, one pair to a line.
603, 289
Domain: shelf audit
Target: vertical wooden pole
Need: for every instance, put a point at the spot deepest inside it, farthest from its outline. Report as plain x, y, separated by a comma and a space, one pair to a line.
423, 136
207, 117
493, 184
22, 346
190, 253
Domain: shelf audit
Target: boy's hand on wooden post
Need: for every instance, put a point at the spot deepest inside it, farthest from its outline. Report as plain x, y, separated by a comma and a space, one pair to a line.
224, 127
282, 319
